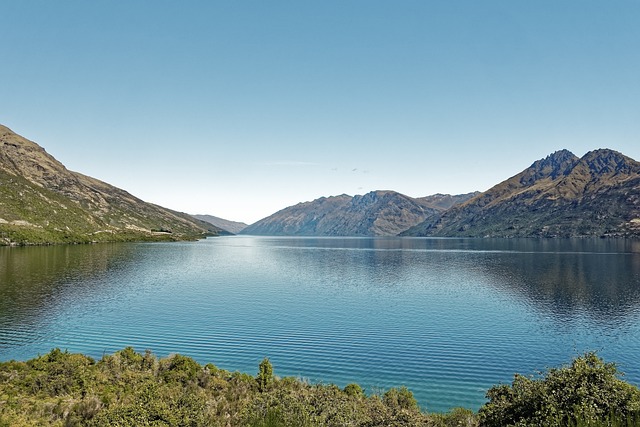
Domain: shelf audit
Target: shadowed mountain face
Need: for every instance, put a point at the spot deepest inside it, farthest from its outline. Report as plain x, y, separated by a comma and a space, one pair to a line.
41, 201
559, 196
378, 213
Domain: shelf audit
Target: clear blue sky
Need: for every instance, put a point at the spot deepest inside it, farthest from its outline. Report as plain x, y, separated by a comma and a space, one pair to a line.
241, 108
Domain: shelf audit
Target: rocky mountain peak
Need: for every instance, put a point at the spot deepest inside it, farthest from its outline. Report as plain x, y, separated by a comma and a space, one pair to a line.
374, 196
608, 162
558, 196
554, 165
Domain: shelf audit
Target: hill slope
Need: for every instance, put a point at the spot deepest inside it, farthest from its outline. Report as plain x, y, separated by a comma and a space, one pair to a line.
233, 227
43, 202
559, 196
378, 213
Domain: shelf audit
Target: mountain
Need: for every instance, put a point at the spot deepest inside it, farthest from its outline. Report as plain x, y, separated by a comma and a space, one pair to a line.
442, 202
378, 213
42, 202
232, 227
303, 219
559, 196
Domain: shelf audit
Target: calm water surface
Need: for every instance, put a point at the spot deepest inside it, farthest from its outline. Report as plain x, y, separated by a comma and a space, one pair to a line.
448, 318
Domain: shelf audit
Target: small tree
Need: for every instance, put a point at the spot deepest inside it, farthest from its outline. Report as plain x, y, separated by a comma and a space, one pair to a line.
265, 374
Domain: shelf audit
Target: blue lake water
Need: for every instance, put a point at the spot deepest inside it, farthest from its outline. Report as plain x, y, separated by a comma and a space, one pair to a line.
447, 318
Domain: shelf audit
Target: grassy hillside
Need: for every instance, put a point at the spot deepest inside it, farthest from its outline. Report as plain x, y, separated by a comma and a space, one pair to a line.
41, 202
33, 215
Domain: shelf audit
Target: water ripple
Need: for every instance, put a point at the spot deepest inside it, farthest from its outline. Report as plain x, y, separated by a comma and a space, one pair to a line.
446, 318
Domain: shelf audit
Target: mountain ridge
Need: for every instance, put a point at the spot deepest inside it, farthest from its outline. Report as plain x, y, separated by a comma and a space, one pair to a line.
377, 213
233, 227
561, 195
558, 196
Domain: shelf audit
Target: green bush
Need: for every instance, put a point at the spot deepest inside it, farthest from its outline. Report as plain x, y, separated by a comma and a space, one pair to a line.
400, 398
177, 368
457, 417
588, 391
354, 390
273, 418
58, 373
127, 388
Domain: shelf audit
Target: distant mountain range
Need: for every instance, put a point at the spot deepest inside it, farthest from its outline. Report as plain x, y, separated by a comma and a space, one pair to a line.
232, 227
559, 196
378, 213
43, 202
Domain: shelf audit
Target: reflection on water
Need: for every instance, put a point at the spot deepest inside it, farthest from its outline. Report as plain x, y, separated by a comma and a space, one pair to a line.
36, 281
446, 317
603, 286
31, 274
597, 277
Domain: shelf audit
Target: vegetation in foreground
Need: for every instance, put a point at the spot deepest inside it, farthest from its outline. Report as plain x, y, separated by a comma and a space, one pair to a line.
133, 389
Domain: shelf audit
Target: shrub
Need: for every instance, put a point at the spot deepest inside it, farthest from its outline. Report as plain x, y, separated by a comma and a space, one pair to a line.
129, 358
272, 418
588, 391
457, 417
58, 373
354, 390
400, 398
179, 369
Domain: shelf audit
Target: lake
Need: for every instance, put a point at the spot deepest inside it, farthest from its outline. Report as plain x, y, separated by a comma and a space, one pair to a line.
448, 318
